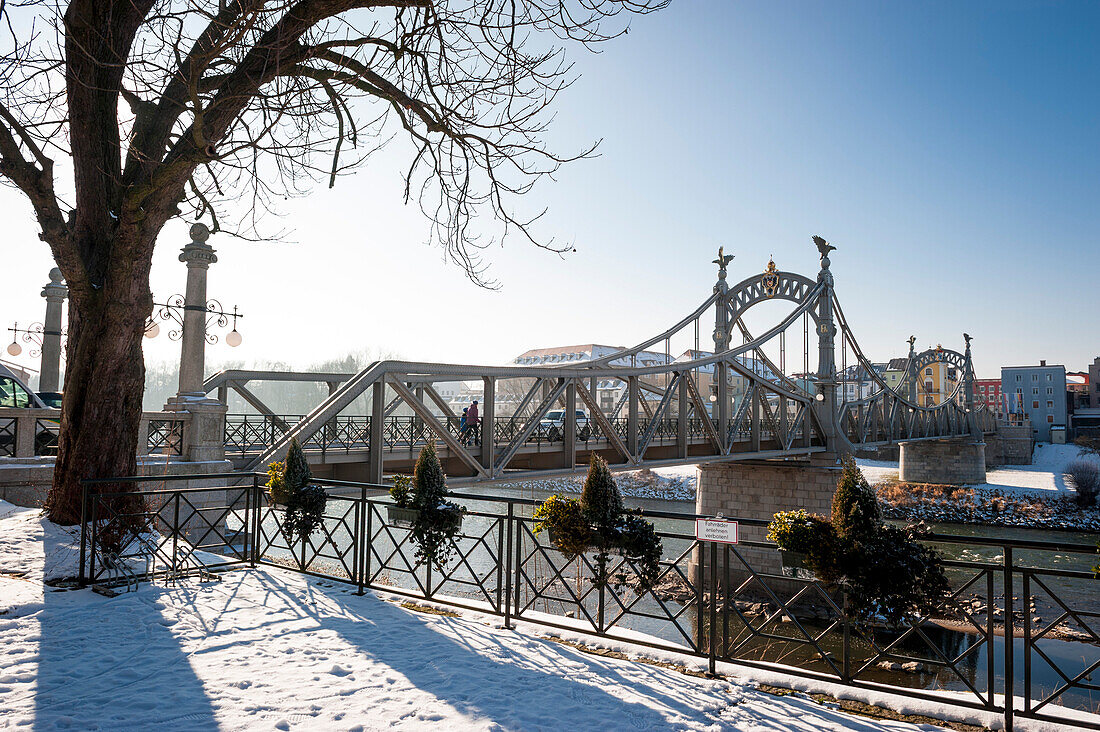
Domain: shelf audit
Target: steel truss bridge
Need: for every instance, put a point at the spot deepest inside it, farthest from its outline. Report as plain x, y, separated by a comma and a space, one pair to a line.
733, 404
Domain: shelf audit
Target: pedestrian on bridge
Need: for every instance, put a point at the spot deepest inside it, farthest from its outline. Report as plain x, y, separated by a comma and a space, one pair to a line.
471, 423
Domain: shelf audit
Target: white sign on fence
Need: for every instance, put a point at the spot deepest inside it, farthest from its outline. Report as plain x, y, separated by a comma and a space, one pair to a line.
719, 530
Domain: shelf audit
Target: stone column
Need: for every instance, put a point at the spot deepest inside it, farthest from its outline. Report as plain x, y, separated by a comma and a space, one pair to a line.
204, 437
198, 255
55, 293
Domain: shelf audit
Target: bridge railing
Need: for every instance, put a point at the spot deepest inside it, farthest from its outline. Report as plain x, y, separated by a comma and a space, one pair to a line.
251, 433
1017, 637
29, 433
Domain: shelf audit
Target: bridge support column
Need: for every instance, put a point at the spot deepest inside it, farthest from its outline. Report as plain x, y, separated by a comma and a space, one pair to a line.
757, 490
375, 468
632, 416
488, 422
569, 443
953, 461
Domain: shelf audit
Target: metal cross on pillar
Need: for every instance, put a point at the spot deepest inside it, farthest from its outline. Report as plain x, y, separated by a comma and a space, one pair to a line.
55, 293
826, 383
722, 336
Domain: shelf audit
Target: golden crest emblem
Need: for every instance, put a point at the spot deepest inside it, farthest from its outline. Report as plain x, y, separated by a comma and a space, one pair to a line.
770, 280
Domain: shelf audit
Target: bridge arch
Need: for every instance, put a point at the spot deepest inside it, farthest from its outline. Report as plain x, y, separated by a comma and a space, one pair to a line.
771, 285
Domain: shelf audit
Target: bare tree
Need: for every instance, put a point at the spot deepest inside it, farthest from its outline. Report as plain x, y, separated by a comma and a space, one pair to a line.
217, 109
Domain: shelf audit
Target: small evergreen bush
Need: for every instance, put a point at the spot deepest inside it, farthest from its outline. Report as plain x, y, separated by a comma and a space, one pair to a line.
1084, 478
639, 543
885, 571
276, 487
401, 491
437, 520
600, 500
855, 506
598, 521
564, 517
305, 503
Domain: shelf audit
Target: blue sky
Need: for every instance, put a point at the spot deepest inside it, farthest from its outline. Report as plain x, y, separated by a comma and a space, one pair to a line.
950, 150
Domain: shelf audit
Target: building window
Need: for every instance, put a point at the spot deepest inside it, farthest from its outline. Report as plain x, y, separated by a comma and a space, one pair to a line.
1050, 419
1017, 377
1035, 404
1048, 377
1050, 390
1035, 391
1035, 377
1050, 404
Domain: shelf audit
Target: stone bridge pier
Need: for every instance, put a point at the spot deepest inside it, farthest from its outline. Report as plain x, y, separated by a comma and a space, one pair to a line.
754, 490
953, 461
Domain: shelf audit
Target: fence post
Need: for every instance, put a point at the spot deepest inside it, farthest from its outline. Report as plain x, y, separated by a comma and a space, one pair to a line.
1025, 606
254, 506
364, 528
713, 606
847, 649
699, 572
1010, 686
508, 569
257, 520
175, 531
516, 584
92, 544
83, 532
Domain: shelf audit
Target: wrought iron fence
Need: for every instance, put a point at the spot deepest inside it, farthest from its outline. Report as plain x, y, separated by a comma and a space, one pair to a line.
1019, 637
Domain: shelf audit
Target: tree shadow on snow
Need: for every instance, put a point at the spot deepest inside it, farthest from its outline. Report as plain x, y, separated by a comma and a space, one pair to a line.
516, 681
113, 663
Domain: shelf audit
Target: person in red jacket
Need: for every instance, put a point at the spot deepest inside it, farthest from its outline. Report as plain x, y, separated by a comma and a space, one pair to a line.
472, 423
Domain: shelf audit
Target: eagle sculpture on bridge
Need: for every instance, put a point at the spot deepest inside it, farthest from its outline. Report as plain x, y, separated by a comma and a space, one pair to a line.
823, 247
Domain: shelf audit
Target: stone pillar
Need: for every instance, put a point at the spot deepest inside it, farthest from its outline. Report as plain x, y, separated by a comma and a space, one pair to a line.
952, 461
204, 435
55, 293
757, 490
198, 255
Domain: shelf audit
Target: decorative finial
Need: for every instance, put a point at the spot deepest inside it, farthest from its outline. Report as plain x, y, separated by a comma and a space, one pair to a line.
199, 233
967, 338
56, 277
722, 261
823, 248
912, 340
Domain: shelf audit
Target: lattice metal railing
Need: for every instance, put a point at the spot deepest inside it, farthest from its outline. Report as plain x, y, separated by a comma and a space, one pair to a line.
1018, 635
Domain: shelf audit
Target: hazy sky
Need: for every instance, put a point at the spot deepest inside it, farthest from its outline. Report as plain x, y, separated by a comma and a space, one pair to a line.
950, 151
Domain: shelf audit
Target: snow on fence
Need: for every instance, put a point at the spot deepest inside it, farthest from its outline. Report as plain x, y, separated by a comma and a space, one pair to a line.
1029, 652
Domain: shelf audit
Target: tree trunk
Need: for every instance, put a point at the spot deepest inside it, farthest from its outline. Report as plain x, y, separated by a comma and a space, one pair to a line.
104, 384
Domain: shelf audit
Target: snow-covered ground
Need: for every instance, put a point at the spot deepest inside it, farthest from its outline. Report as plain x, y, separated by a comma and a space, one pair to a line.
1044, 475
269, 649
676, 483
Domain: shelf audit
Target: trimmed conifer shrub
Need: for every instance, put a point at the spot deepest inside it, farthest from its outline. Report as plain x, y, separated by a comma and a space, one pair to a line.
855, 506
305, 503
438, 520
600, 500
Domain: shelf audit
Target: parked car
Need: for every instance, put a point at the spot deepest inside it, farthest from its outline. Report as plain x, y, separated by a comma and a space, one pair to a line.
14, 394
552, 426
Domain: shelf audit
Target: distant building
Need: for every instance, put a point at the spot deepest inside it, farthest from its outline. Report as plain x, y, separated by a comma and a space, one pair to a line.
1077, 390
1094, 384
894, 373
988, 392
1037, 393
936, 383
855, 382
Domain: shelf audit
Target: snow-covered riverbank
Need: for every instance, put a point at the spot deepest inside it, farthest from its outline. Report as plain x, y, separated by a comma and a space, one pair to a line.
269, 649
